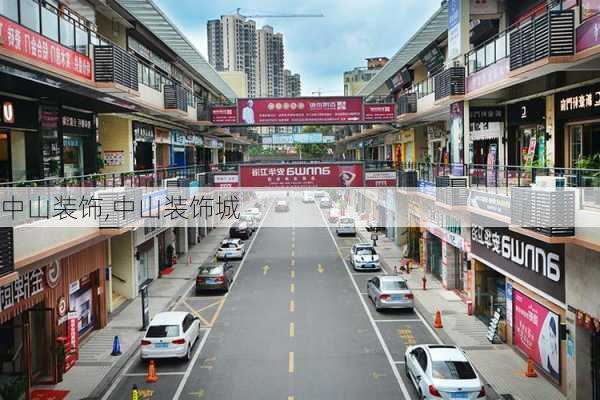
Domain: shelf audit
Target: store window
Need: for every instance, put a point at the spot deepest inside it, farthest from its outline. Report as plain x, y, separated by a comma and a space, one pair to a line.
30, 14
73, 155
585, 146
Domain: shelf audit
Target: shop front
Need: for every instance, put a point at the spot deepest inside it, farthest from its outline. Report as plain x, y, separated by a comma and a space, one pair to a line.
527, 132
438, 142
404, 151
79, 144
486, 130
162, 138
45, 313
524, 280
143, 146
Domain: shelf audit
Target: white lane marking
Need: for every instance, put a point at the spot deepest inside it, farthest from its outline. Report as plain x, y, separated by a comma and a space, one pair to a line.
399, 362
384, 346
188, 371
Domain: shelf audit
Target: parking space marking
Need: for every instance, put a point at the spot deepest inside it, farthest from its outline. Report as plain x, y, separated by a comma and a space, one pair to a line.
293, 254
399, 362
407, 336
291, 362
292, 329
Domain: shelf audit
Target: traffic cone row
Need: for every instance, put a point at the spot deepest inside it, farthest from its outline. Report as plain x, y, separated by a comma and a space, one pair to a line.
437, 322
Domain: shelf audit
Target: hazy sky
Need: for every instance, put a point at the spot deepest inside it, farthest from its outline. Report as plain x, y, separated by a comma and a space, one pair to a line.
320, 49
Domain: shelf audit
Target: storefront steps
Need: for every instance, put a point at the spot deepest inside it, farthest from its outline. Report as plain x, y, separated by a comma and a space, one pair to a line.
96, 368
499, 365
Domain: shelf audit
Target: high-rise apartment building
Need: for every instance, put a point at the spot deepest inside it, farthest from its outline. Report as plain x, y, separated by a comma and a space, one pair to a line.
232, 47
234, 44
357, 78
293, 86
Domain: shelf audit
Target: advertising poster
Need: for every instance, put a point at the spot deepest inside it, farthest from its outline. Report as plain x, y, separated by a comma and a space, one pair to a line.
224, 115
283, 111
456, 135
491, 164
302, 175
535, 332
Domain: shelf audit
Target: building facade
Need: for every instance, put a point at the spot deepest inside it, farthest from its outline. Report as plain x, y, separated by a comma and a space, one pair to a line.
358, 77
292, 83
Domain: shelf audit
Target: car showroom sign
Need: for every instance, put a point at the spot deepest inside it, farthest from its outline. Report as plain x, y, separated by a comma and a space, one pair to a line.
302, 175
302, 111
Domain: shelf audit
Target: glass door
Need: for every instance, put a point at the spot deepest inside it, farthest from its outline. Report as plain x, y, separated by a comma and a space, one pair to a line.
575, 145
41, 323
73, 155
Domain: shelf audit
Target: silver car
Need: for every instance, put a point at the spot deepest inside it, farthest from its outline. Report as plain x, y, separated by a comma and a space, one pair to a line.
345, 226
389, 291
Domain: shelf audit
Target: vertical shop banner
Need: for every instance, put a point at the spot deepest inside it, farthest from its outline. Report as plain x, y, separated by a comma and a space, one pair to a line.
302, 175
535, 332
456, 137
509, 304
72, 348
491, 165
35, 47
454, 27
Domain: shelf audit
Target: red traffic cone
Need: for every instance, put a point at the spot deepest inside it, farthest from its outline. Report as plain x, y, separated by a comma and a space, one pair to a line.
530, 373
151, 377
437, 322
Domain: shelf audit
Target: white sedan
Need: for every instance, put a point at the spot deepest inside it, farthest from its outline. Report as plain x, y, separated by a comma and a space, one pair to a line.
364, 257
231, 248
254, 212
442, 372
345, 226
170, 335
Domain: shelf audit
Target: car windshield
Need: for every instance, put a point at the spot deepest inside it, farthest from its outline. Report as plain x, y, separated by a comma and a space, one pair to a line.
394, 285
452, 370
211, 270
365, 251
346, 221
229, 246
162, 331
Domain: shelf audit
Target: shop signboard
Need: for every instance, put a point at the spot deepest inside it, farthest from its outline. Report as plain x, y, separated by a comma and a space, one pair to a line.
224, 115
579, 102
39, 50
538, 264
485, 201
72, 345
302, 175
380, 178
487, 76
380, 112
27, 285
536, 333
527, 112
282, 138
226, 180
143, 132
454, 28
17, 113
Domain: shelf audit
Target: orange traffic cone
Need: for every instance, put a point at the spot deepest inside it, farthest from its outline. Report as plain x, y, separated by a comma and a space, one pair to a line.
437, 322
151, 377
530, 373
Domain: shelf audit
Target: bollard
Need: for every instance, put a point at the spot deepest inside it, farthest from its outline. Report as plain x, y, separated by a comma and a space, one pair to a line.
116, 350
408, 267
424, 282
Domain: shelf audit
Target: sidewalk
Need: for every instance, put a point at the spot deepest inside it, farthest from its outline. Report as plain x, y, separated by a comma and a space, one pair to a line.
96, 368
501, 367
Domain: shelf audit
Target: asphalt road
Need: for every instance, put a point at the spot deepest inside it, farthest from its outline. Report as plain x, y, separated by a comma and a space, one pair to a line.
296, 325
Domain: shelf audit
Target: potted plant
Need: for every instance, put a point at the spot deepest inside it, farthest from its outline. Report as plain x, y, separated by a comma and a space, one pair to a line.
13, 386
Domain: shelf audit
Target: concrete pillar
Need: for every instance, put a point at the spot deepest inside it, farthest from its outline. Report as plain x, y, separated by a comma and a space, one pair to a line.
181, 242
450, 268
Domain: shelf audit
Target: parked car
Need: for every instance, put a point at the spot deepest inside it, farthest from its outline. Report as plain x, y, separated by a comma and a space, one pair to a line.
308, 197
389, 291
240, 230
282, 206
249, 219
231, 248
215, 276
254, 212
346, 226
364, 257
334, 215
170, 335
442, 371
325, 202
319, 193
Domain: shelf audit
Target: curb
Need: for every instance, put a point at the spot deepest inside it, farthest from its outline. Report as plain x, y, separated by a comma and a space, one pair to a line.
104, 384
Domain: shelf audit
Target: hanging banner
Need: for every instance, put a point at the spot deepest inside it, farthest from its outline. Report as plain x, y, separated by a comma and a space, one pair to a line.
302, 175
454, 27
535, 332
380, 112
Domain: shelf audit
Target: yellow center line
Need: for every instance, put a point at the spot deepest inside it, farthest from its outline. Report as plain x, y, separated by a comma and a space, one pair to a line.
292, 274
291, 362
292, 306
292, 329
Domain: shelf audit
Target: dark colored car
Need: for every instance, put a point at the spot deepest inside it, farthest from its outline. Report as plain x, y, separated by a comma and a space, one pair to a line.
216, 276
240, 230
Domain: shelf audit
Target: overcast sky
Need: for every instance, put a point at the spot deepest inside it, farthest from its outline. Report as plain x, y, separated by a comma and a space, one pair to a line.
320, 49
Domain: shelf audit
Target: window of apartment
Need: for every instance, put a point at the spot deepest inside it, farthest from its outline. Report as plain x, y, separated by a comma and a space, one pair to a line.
30, 14
81, 39
10, 9
50, 23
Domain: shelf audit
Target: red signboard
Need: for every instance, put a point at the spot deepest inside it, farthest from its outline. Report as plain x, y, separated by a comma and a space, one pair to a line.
302, 175
380, 179
301, 110
72, 345
380, 112
224, 115
39, 49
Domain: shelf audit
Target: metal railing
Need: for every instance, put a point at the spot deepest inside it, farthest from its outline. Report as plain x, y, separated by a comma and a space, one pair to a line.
489, 52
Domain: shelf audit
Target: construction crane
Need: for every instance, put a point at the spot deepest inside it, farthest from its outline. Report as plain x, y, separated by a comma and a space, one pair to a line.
278, 15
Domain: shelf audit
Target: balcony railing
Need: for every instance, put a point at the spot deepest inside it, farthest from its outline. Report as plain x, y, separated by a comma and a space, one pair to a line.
6, 251
450, 82
114, 65
407, 103
548, 35
176, 97
424, 88
488, 53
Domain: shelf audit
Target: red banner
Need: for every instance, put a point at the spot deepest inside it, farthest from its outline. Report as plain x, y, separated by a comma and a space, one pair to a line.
22, 41
224, 115
302, 110
380, 179
302, 175
380, 112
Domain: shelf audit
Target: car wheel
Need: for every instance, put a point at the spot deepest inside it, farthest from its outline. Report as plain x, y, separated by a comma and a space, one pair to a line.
188, 354
406, 369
